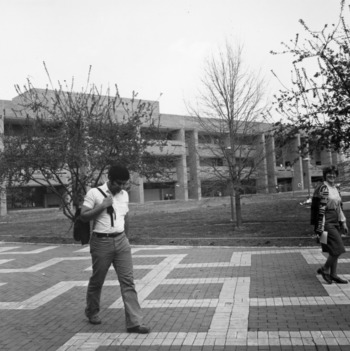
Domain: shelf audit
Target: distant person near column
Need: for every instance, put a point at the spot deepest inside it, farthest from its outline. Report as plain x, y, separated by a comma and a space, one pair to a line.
109, 245
328, 219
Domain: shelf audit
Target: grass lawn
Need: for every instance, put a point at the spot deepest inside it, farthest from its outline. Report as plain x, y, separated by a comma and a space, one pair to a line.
269, 220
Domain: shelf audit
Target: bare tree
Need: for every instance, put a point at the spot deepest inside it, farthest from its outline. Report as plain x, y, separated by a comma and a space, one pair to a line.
229, 111
70, 138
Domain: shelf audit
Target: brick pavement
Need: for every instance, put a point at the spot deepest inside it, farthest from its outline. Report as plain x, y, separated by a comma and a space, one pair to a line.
193, 298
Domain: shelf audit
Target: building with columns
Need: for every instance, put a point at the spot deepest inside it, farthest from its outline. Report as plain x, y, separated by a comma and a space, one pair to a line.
296, 173
281, 170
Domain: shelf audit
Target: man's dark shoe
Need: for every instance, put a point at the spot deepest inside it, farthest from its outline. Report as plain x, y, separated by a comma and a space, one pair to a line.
95, 319
140, 329
327, 278
338, 279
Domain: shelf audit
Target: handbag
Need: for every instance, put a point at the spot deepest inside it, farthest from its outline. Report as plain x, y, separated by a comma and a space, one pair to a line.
81, 229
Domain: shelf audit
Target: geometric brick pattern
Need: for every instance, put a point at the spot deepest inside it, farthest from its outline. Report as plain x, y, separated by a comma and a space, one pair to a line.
193, 298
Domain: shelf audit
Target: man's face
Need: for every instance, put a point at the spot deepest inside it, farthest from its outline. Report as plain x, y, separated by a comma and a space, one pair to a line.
116, 186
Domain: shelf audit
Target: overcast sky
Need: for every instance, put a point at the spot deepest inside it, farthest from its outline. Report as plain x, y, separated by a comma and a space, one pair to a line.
149, 46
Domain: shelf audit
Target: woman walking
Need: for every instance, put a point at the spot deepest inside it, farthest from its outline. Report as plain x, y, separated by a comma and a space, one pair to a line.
329, 220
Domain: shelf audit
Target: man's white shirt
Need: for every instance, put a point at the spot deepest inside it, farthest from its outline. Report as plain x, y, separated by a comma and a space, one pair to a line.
102, 224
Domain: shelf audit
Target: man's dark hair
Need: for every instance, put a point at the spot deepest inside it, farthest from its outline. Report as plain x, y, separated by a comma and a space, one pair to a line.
118, 172
329, 169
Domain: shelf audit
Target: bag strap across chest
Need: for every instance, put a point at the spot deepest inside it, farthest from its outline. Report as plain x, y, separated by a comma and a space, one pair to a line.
110, 209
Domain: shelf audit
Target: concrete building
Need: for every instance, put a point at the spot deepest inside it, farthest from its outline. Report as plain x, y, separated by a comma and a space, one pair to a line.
281, 170
297, 173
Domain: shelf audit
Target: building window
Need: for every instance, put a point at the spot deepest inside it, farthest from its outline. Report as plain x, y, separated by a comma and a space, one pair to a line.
214, 188
245, 140
159, 191
211, 162
204, 139
245, 162
288, 164
317, 157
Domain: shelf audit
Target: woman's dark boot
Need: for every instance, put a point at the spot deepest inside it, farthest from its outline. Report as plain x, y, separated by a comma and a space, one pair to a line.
326, 277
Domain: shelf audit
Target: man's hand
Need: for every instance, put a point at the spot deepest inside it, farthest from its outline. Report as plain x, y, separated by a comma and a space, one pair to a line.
88, 214
107, 201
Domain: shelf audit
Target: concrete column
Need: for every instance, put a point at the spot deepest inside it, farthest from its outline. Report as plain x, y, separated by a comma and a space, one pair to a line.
271, 163
136, 192
336, 158
3, 205
307, 175
45, 201
194, 185
181, 191
262, 179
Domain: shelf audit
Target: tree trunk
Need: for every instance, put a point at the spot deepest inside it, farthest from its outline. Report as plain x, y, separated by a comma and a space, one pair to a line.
232, 203
238, 209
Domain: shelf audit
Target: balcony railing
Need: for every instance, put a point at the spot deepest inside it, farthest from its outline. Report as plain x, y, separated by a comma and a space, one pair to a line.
172, 147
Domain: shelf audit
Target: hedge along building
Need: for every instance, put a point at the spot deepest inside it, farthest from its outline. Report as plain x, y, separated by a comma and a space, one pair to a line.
187, 143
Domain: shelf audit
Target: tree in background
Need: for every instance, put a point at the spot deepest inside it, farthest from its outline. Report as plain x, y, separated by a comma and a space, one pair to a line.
70, 139
318, 103
228, 109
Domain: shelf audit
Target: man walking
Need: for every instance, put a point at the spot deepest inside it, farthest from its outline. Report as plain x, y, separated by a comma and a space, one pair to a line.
108, 207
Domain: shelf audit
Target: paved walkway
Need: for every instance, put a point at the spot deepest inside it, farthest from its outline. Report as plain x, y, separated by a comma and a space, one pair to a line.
209, 298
